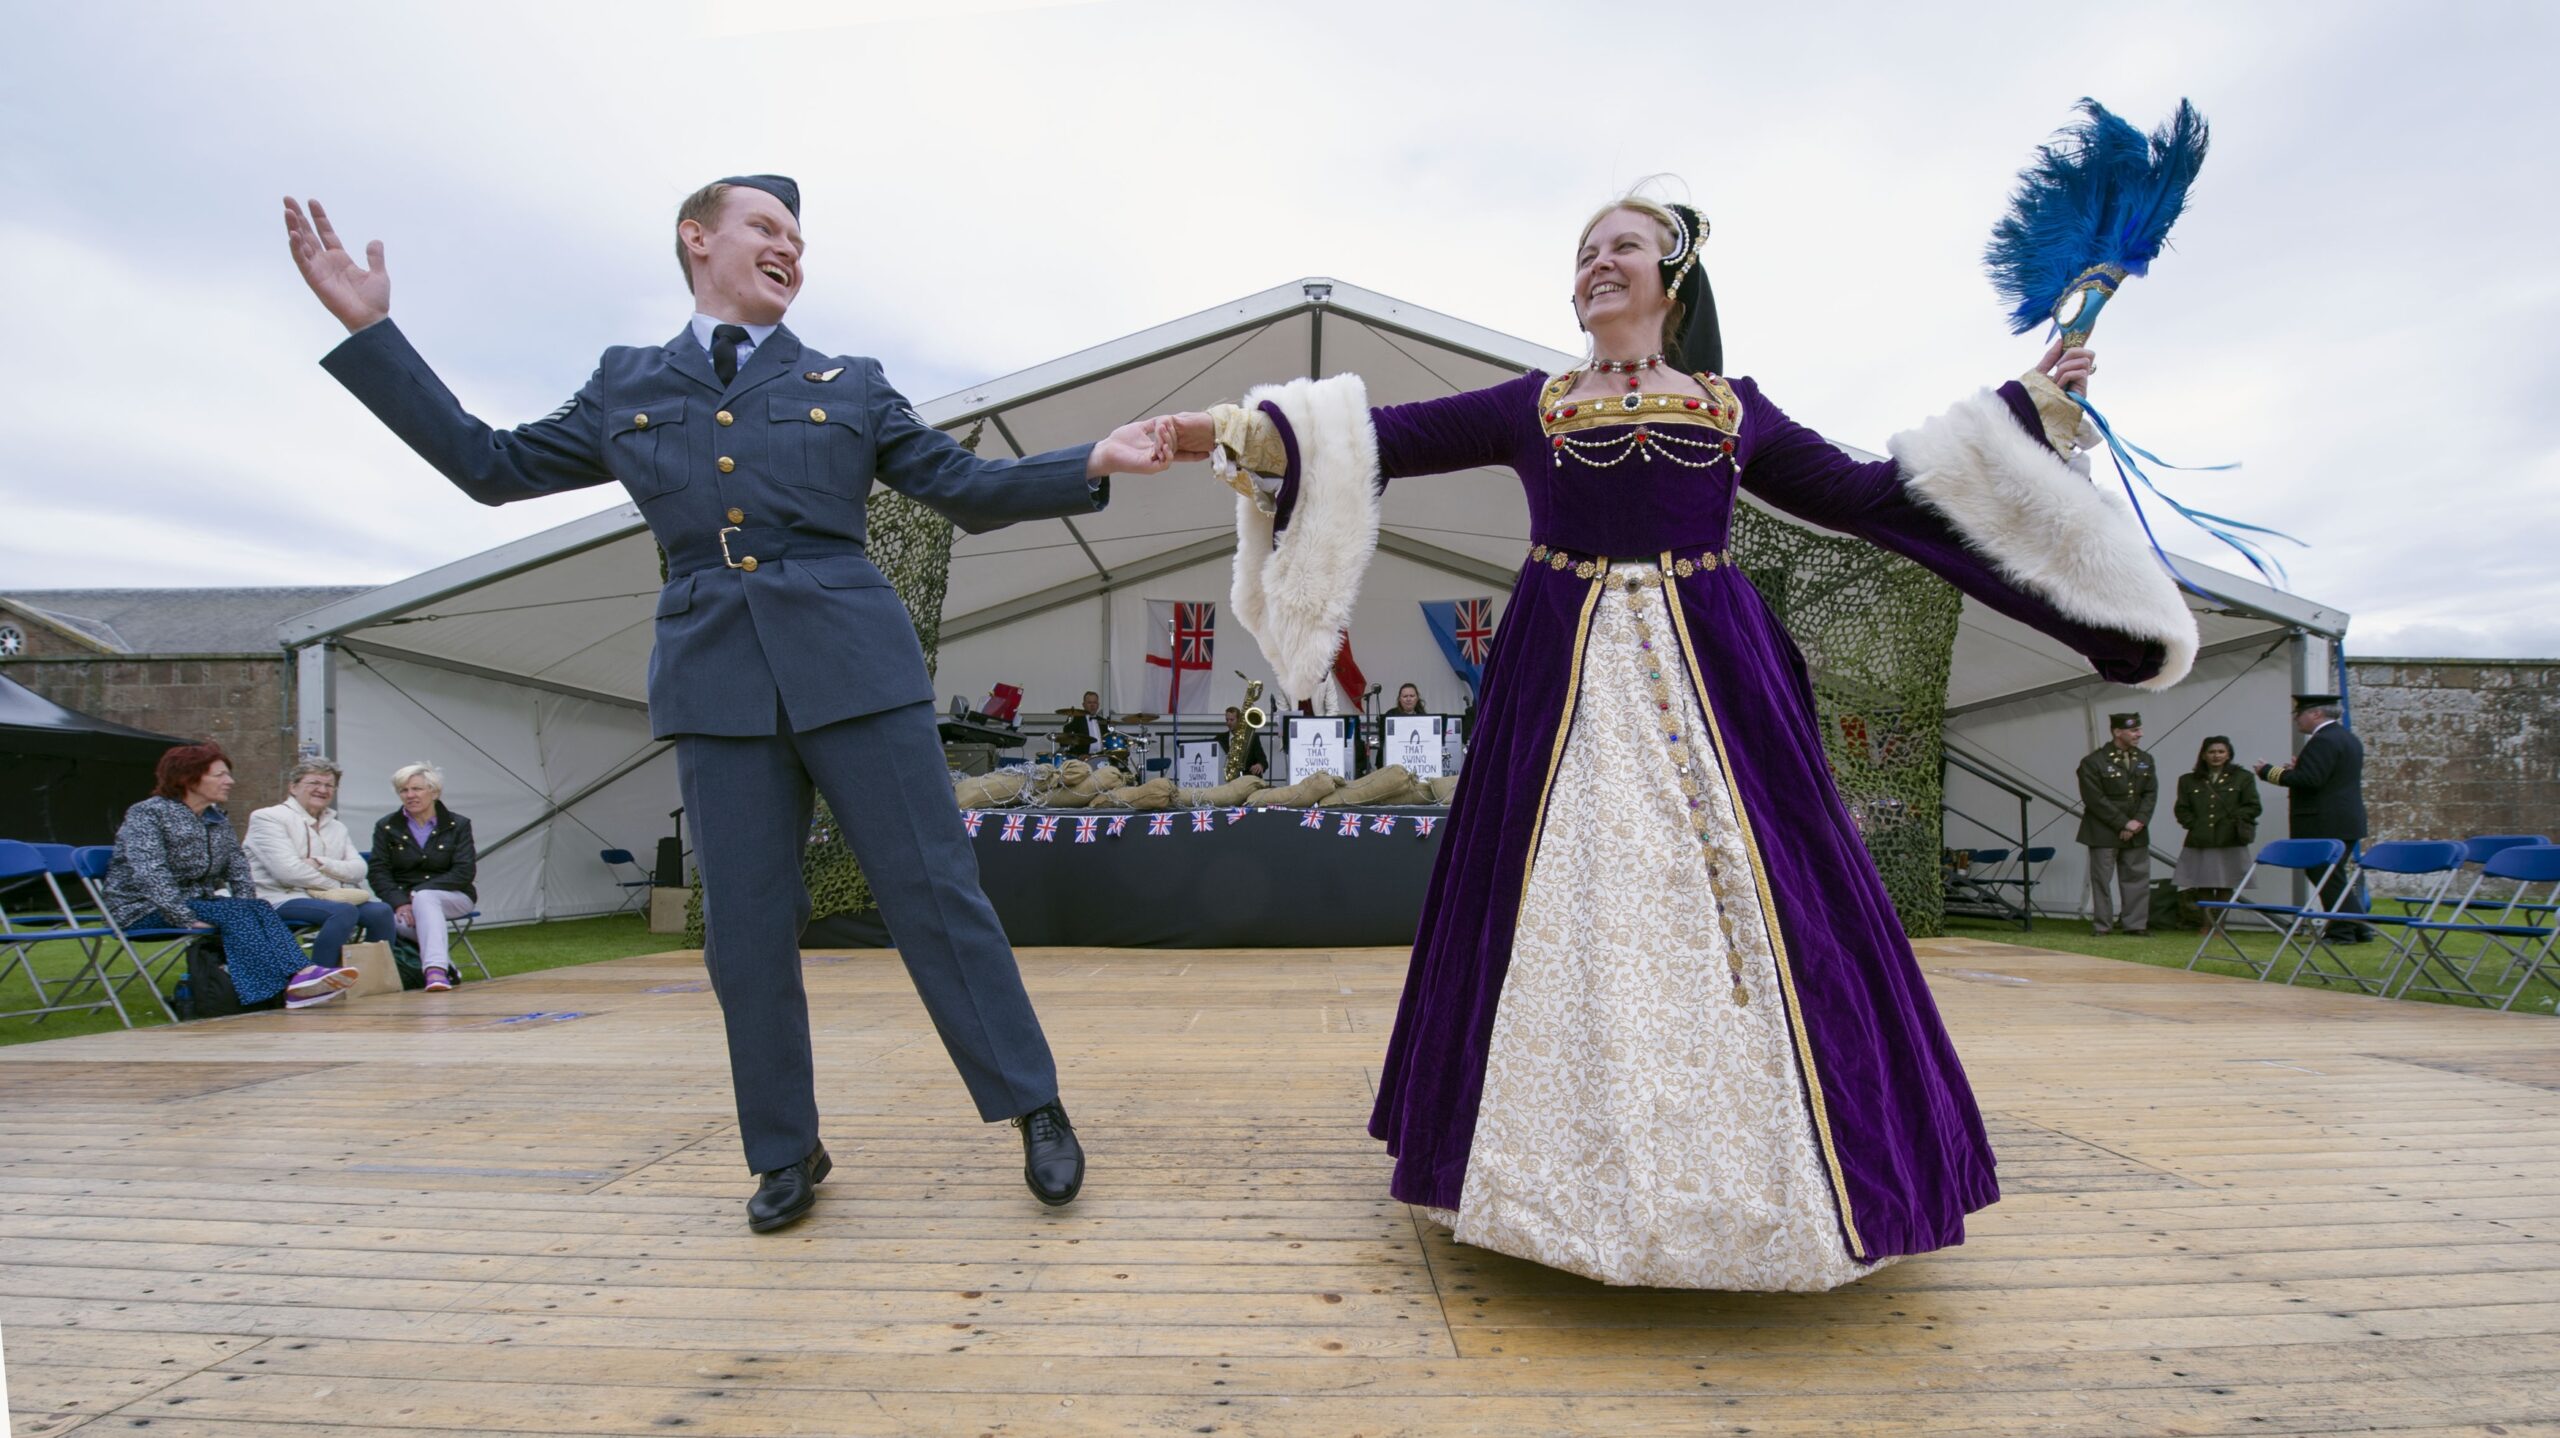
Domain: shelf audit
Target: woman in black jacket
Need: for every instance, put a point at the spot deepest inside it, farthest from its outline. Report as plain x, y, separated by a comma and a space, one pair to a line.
423, 865
2218, 806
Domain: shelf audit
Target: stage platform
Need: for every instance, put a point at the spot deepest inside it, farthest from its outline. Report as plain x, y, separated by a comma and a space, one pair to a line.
516, 1209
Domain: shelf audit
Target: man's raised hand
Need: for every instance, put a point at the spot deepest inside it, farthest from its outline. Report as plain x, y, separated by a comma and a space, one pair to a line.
1140, 447
358, 294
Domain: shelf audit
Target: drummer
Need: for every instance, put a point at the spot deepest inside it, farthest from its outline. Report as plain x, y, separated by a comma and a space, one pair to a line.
1085, 729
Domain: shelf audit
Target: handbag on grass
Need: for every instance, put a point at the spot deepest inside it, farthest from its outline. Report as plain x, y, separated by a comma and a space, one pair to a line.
376, 971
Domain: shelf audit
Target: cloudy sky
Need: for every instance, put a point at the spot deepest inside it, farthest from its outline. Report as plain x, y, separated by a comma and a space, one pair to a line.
2361, 308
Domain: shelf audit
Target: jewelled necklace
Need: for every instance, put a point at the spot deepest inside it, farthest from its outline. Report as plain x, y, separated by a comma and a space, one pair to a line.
1629, 368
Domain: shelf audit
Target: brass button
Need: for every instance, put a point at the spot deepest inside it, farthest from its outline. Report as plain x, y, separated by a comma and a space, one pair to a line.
639, 421
725, 417
748, 564
817, 416
727, 464
737, 516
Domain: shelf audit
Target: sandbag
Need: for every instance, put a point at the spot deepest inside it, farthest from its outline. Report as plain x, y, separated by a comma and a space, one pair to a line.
1304, 794
990, 791
1444, 788
1375, 787
1152, 795
1235, 791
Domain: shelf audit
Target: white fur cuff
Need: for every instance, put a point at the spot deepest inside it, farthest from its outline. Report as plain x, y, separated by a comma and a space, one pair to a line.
2046, 528
1296, 598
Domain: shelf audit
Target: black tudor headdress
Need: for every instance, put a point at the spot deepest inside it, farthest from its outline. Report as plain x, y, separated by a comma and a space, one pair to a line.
1701, 342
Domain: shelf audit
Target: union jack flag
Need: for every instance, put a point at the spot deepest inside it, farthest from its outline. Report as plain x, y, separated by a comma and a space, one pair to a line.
1085, 828
1474, 630
1464, 628
1119, 822
1311, 820
1382, 823
1350, 827
1012, 829
1159, 823
1235, 814
1203, 820
1425, 823
971, 819
1181, 644
1047, 831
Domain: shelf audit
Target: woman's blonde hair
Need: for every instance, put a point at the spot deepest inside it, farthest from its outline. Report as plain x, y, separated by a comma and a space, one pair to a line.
305, 768
1667, 235
421, 770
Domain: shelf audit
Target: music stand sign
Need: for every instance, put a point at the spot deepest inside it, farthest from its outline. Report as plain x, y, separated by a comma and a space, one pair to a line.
1419, 742
1319, 744
1202, 764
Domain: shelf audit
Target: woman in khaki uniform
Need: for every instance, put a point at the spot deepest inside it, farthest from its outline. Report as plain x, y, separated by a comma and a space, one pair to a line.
2218, 806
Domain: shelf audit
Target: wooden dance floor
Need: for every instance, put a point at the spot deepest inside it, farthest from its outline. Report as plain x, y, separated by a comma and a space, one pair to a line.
2232, 1209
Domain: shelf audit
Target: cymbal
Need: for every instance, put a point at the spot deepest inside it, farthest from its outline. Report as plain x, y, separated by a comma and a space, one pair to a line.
1070, 711
1140, 718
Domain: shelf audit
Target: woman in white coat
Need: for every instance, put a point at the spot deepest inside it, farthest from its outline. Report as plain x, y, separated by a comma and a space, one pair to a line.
307, 866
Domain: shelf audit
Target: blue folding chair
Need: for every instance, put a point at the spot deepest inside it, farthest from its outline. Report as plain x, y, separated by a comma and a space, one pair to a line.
2024, 881
635, 891
2519, 934
2311, 858
157, 951
2438, 861
2475, 855
28, 872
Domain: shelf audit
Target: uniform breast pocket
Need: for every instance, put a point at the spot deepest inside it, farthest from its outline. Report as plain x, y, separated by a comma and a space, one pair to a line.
820, 446
644, 446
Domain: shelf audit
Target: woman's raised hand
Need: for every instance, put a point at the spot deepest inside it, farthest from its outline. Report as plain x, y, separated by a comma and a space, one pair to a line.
2069, 368
1193, 436
358, 294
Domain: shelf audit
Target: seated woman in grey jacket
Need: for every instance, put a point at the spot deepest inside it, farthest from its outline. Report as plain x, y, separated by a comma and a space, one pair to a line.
177, 865
308, 867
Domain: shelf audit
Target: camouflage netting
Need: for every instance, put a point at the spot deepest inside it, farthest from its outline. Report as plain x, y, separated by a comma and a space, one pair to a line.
912, 545
1879, 634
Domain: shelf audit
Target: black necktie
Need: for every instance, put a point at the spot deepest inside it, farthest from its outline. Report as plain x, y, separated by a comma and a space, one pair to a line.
725, 340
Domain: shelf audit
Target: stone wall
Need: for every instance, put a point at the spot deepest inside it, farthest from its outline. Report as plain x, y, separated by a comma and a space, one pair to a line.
242, 702
2457, 747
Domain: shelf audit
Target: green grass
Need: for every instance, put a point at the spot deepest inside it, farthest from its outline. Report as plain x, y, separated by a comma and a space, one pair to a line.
2171, 948
517, 950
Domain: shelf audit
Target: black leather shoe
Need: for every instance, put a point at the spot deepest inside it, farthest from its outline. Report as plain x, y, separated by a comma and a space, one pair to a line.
1052, 1160
786, 1195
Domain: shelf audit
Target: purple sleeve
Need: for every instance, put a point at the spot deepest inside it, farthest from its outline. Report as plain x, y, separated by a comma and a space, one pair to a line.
1800, 472
1434, 436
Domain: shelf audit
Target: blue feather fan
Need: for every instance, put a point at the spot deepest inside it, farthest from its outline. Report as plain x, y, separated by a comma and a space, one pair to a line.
2094, 208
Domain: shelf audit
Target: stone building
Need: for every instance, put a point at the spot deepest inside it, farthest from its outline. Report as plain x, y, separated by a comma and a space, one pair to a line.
2458, 747
203, 663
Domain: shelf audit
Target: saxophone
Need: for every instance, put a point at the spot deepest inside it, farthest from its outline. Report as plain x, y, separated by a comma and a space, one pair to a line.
1252, 717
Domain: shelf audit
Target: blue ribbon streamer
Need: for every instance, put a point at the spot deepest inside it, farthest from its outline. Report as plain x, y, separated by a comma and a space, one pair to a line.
2128, 459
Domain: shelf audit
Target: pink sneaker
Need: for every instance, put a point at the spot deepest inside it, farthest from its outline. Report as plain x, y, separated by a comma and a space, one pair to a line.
439, 981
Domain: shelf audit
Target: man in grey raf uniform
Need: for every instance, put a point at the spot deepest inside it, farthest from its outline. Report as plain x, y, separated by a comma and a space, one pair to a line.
2118, 790
783, 658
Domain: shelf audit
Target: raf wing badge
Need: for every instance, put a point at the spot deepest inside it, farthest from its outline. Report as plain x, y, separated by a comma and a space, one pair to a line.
822, 376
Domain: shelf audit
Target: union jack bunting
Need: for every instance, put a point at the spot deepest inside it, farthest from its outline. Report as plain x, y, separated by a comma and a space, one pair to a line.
1012, 829
1425, 823
1203, 820
1159, 823
1235, 814
1047, 831
1085, 828
1311, 820
1382, 823
971, 819
1350, 827
1119, 822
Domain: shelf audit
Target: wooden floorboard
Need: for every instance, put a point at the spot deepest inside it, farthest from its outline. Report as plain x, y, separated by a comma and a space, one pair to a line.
515, 1209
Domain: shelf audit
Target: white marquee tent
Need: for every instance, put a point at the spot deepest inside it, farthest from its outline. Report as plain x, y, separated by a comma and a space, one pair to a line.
522, 670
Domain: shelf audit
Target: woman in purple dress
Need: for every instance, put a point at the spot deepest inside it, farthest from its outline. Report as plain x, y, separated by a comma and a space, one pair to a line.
1662, 1025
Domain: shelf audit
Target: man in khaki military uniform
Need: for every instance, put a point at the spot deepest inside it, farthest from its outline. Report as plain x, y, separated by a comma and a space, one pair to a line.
2118, 790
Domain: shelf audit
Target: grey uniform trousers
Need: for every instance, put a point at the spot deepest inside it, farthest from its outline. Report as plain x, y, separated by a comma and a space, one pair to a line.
2127, 872
885, 779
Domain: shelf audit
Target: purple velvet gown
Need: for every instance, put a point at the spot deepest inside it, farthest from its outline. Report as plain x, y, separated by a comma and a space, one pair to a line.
1902, 1156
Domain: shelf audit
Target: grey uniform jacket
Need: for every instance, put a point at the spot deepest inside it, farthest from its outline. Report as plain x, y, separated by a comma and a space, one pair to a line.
755, 489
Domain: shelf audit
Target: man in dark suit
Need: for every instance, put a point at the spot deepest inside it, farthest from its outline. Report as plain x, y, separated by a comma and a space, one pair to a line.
783, 658
2324, 797
1084, 732
2119, 788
